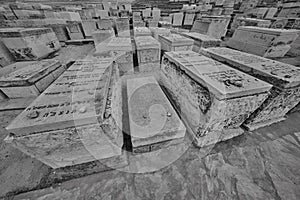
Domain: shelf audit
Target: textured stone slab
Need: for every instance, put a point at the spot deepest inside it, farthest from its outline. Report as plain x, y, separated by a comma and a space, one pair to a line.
102, 35
122, 26
175, 42
142, 31
213, 99
89, 26
159, 31
148, 52
201, 41
30, 43
285, 78
5, 56
152, 118
70, 101
75, 30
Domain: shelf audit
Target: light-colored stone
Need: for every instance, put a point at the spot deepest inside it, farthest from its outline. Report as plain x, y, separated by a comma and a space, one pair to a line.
148, 53
284, 77
151, 116
74, 29
100, 36
159, 31
122, 26
5, 56
177, 19
213, 99
89, 26
77, 97
30, 43
142, 31
175, 42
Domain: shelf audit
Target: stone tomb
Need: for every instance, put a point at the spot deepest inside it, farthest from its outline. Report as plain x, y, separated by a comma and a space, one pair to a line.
202, 41
122, 26
213, 99
139, 23
142, 31
266, 42
30, 78
159, 31
119, 45
100, 36
75, 31
105, 24
214, 26
148, 53
70, 101
285, 79
99, 145
153, 121
29, 43
89, 27
175, 42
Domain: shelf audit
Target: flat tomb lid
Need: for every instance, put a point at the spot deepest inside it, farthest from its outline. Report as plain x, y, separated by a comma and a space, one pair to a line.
223, 81
269, 30
200, 37
176, 39
146, 42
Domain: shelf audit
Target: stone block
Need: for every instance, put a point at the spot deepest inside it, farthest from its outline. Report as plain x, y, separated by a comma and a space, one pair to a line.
5, 56
30, 43
29, 78
214, 99
100, 36
159, 31
89, 27
122, 27
139, 23
77, 97
105, 24
189, 19
152, 118
285, 79
201, 41
142, 31
148, 53
175, 42
177, 19
72, 147
75, 31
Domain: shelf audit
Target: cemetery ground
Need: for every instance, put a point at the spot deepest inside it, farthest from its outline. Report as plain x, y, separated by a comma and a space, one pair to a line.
263, 164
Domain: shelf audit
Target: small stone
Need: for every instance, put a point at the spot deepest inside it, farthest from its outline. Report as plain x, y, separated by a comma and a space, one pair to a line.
107, 114
169, 114
82, 109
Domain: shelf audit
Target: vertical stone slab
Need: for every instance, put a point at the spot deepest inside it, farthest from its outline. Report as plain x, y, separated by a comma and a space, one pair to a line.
152, 118
212, 98
5, 56
148, 52
70, 101
285, 79
30, 43
177, 19
175, 42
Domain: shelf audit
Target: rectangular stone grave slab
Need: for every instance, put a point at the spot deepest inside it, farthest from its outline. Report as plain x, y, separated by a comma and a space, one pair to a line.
148, 52
122, 26
213, 99
159, 31
76, 146
201, 40
102, 35
119, 45
76, 98
175, 42
29, 43
142, 31
89, 26
5, 56
285, 79
139, 23
30, 78
152, 118
105, 24
74, 29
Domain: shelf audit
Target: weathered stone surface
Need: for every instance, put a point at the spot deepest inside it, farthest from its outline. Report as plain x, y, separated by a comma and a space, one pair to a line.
105, 24
30, 78
213, 98
201, 41
159, 31
5, 56
75, 30
70, 101
148, 52
214, 26
118, 45
89, 26
30, 43
175, 42
100, 36
266, 42
122, 26
142, 31
152, 118
285, 78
